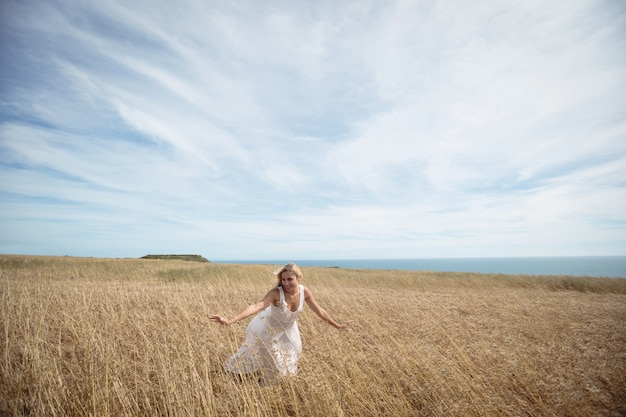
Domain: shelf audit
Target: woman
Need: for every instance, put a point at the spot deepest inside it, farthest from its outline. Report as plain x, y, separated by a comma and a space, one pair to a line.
273, 344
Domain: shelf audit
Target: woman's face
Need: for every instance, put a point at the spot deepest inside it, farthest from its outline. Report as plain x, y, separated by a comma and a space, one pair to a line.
289, 281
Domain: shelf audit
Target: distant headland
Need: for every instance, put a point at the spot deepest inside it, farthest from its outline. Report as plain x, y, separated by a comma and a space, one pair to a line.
193, 258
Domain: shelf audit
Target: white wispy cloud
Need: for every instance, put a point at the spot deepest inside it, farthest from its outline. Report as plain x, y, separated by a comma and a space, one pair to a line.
276, 129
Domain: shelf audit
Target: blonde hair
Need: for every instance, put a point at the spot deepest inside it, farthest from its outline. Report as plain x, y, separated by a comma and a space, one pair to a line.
288, 268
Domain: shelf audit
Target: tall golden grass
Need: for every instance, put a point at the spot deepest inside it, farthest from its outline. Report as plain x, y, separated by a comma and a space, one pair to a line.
107, 337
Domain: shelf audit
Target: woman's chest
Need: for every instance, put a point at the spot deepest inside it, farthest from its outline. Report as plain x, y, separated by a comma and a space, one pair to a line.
292, 301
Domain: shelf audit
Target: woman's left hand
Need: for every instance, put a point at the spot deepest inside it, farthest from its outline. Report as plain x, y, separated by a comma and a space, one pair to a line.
345, 326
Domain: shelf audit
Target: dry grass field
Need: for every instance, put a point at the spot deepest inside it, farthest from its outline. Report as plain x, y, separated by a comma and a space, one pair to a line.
130, 337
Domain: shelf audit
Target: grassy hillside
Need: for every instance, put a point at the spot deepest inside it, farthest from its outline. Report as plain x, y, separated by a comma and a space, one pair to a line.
107, 337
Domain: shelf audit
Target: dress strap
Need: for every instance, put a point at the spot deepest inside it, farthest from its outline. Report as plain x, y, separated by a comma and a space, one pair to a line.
301, 297
282, 294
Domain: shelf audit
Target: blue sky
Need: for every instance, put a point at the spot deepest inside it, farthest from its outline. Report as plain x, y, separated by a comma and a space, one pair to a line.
313, 130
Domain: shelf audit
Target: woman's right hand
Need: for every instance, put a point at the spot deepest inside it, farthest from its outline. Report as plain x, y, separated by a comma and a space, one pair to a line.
220, 320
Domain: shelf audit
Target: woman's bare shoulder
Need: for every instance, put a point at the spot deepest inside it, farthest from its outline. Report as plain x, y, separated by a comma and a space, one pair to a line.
307, 292
273, 293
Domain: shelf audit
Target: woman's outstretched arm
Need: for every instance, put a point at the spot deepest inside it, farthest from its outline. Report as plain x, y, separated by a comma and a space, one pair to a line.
308, 296
269, 298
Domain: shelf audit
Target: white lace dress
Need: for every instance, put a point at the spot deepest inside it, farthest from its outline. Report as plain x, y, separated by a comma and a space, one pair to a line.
272, 344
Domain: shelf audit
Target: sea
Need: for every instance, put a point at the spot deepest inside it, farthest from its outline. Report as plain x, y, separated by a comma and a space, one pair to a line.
591, 266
